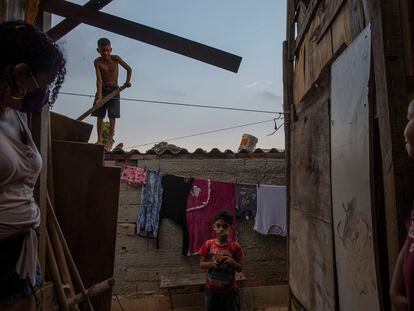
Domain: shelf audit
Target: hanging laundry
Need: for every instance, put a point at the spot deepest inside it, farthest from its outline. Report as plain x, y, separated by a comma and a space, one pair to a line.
174, 203
134, 175
271, 210
151, 199
206, 199
246, 201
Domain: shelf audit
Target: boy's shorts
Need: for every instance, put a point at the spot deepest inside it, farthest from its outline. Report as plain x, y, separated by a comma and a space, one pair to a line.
226, 302
113, 105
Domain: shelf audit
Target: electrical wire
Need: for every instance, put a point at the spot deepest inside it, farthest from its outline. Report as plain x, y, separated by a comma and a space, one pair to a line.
177, 103
201, 133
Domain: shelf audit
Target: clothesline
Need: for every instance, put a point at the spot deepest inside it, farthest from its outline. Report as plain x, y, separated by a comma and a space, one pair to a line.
192, 203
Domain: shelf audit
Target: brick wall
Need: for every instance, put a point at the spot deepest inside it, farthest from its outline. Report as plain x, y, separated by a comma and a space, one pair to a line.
139, 265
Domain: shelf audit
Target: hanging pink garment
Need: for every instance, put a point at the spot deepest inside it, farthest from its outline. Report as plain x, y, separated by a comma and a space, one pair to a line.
206, 199
134, 175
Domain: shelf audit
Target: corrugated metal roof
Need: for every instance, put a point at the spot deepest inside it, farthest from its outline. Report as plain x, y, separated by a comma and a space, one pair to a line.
198, 151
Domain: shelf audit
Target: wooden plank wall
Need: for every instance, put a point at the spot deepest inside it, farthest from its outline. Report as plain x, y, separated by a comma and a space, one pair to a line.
311, 246
86, 198
329, 31
311, 254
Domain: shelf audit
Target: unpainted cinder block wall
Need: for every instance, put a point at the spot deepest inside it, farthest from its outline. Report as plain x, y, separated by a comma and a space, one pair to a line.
139, 265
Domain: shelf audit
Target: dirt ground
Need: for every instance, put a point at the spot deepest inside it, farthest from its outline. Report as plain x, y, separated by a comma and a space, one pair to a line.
267, 298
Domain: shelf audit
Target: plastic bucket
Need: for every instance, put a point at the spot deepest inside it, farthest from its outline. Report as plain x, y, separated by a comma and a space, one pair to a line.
248, 142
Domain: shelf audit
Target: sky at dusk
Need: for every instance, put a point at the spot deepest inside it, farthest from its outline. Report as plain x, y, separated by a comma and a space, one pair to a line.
252, 29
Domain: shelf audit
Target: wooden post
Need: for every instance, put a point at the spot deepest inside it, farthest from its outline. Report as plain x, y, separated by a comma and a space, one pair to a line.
392, 101
40, 128
289, 47
12, 10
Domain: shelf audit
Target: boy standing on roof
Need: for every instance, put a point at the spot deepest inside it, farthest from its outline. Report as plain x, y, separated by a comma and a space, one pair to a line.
107, 68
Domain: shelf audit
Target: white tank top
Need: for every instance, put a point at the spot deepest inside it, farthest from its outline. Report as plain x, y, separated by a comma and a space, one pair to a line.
20, 165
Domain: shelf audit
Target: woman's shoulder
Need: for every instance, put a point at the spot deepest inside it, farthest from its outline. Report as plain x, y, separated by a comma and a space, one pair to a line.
9, 121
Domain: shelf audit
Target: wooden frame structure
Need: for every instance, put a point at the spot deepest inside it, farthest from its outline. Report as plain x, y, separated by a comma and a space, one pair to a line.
39, 12
324, 29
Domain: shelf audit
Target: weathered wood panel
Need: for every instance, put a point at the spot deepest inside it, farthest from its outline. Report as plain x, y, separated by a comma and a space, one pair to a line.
317, 54
299, 76
86, 199
310, 157
351, 197
341, 29
356, 17
311, 272
329, 31
311, 262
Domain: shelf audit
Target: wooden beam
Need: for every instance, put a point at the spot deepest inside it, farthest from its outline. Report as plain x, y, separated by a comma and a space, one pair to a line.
67, 25
144, 34
40, 129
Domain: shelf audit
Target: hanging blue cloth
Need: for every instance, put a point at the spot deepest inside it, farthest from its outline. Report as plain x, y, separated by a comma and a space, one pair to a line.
151, 200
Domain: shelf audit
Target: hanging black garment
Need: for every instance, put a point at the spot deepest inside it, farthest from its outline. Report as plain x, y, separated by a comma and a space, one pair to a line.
174, 203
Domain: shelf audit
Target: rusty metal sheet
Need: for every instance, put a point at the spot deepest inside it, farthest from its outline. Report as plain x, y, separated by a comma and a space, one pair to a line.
350, 163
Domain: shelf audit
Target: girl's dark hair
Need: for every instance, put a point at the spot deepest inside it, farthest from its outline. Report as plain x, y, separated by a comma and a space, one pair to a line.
225, 216
20, 42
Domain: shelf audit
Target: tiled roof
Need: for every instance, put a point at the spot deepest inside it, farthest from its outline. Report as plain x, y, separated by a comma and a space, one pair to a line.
198, 151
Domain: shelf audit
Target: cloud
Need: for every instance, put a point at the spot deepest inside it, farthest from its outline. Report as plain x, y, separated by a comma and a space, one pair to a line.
258, 85
269, 95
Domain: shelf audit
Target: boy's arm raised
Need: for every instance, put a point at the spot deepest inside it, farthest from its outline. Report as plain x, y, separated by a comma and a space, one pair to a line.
128, 70
98, 79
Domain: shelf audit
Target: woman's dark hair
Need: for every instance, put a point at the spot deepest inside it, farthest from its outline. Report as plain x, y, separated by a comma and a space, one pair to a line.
20, 42
225, 216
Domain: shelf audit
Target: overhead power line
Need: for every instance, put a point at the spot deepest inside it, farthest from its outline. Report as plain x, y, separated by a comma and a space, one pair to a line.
198, 134
178, 104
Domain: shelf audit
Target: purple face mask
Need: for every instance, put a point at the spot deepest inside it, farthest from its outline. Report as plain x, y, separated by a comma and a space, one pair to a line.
34, 101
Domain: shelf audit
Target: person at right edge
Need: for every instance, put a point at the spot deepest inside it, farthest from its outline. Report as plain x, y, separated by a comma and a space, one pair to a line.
402, 284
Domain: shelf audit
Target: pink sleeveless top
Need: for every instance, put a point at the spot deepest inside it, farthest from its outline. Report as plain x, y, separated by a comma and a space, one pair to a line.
408, 268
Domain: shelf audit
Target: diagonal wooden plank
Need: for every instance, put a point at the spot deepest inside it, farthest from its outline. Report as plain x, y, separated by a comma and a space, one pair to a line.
144, 34
68, 24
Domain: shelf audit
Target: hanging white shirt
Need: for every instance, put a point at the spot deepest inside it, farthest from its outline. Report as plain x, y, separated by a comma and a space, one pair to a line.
271, 210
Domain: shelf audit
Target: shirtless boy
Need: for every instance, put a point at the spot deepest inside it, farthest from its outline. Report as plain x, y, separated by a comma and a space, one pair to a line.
106, 67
